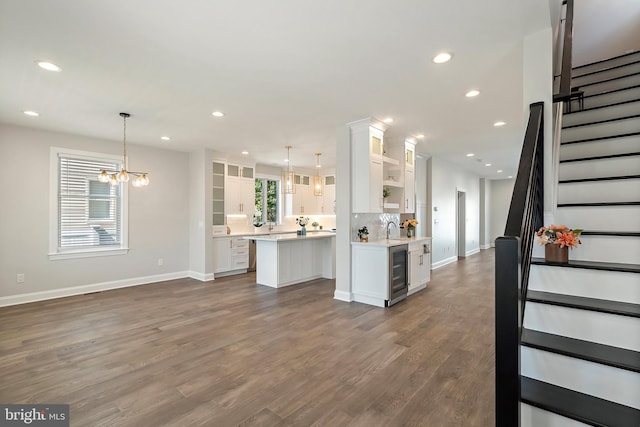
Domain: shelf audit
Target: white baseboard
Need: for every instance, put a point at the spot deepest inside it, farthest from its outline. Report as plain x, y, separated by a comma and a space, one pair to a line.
472, 252
492, 244
342, 296
444, 262
483, 247
86, 289
199, 276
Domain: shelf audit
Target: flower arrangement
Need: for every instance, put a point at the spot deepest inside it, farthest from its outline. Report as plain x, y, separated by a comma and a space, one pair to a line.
257, 217
559, 235
302, 221
363, 232
386, 193
315, 224
410, 224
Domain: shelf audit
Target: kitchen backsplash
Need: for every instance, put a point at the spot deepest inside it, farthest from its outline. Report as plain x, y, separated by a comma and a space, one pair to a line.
376, 224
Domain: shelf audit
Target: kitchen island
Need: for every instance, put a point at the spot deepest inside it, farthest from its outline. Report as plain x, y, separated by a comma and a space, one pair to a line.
288, 259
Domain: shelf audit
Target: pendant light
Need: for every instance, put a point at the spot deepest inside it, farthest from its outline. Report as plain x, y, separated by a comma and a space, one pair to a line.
317, 180
141, 178
288, 176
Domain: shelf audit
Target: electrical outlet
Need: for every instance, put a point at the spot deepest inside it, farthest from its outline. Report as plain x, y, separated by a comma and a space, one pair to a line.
160, 261
20, 278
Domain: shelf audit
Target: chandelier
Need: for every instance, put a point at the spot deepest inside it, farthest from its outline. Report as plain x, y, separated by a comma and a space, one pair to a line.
288, 176
317, 180
114, 178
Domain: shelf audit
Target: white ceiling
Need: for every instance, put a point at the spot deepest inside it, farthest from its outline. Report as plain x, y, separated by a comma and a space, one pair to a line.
285, 72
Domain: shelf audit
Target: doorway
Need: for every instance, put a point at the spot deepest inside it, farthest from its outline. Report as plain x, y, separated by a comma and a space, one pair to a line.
461, 221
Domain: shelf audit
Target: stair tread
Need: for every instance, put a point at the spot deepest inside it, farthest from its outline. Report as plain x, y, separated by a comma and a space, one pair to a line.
608, 92
578, 406
604, 70
580, 349
598, 122
602, 61
600, 138
611, 233
603, 178
591, 265
599, 107
584, 303
571, 205
582, 86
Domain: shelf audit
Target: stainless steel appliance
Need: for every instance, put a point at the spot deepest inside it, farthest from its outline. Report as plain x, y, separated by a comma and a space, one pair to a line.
398, 274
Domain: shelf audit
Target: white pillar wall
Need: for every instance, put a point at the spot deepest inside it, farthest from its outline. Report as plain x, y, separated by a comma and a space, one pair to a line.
343, 214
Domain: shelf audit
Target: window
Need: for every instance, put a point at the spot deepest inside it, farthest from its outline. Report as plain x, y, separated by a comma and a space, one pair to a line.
88, 217
267, 199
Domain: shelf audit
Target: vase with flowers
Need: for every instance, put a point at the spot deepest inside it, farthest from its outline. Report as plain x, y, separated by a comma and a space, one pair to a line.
557, 239
410, 225
302, 221
363, 234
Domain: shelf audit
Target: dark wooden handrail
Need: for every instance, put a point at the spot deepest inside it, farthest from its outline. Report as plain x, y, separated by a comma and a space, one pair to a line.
512, 264
564, 92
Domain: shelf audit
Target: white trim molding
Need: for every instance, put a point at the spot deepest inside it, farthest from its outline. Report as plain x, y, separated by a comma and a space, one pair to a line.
484, 247
86, 289
342, 296
444, 262
200, 276
472, 252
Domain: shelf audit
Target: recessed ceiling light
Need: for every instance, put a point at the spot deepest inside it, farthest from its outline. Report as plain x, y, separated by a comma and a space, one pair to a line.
245, 152
286, 160
499, 170
31, 113
472, 93
388, 120
165, 138
420, 136
499, 123
510, 176
442, 57
217, 114
470, 154
487, 164
49, 66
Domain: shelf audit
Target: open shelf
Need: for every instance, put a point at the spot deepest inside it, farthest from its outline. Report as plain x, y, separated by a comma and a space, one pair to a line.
392, 184
388, 205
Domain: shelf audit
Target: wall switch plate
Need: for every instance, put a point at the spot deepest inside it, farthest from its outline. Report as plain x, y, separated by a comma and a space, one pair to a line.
160, 261
20, 278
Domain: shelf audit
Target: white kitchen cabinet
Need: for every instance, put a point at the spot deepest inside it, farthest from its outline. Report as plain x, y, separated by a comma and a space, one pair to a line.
327, 203
367, 148
303, 200
419, 265
230, 254
409, 205
240, 171
218, 194
241, 193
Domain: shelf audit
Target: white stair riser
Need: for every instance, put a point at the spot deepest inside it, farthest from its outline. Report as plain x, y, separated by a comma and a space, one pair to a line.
602, 147
627, 59
603, 328
599, 217
617, 166
609, 98
605, 382
605, 74
621, 83
599, 284
599, 114
625, 190
530, 416
625, 250
599, 130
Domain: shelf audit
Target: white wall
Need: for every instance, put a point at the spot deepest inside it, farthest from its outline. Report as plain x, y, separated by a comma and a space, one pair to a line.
158, 216
447, 178
485, 213
500, 192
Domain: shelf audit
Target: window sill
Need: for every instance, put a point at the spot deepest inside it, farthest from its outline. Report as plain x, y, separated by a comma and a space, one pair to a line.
87, 253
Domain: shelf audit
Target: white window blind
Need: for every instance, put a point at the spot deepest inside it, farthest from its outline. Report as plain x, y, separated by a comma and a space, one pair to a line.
89, 211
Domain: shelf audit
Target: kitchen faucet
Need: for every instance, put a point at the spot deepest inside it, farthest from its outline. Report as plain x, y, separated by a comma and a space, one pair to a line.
388, 224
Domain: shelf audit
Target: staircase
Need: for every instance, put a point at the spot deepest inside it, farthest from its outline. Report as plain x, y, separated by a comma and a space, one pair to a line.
580, 353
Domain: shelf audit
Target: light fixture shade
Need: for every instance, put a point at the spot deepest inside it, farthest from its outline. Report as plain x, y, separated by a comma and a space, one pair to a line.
104, 176
288, 182
123, 176
317, 185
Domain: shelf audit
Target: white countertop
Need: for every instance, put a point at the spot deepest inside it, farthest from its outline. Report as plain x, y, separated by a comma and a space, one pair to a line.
266, 233
396, 241
289, 236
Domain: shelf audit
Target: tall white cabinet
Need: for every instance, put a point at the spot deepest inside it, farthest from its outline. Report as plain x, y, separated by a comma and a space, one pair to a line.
367, 149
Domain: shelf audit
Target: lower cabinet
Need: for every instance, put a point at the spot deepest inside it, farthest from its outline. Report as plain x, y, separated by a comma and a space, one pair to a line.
230, 254
419, 265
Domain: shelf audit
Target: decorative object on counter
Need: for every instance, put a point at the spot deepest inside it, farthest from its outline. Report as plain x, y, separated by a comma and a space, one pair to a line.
557, 239
288, 176
257, 216
315, 225
410, 225
302, 221
386, 192
317, 180
228, 230
363, 234
115, 177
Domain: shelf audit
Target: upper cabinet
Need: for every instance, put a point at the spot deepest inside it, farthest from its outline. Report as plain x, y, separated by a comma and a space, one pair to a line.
399, 179
240, 190
218, 193
367, 153
409, 177
327, 203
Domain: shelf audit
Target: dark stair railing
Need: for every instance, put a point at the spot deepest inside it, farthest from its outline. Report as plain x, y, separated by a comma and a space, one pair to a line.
512, 263
565, 93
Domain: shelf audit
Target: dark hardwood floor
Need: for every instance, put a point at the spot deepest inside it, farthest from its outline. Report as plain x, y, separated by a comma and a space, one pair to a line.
230, 352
